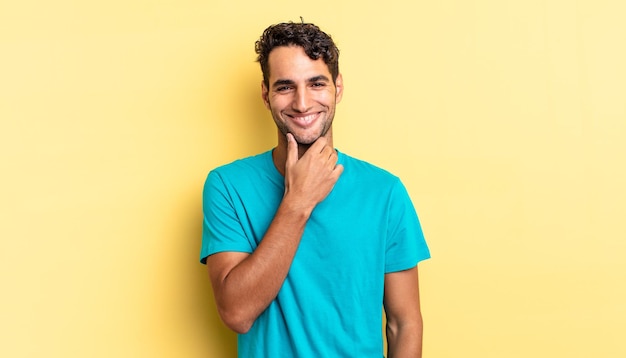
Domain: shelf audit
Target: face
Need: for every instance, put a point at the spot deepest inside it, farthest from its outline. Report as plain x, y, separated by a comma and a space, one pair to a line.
301, 94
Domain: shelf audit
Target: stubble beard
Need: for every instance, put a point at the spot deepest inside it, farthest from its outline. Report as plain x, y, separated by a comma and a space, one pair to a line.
304, 142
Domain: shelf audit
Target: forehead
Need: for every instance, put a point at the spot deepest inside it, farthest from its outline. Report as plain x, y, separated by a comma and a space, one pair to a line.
291, 62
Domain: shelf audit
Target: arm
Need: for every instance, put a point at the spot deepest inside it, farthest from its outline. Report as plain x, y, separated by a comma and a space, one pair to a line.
245, 284
404, 318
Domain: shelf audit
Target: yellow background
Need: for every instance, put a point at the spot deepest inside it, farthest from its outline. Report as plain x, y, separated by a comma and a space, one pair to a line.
505, 119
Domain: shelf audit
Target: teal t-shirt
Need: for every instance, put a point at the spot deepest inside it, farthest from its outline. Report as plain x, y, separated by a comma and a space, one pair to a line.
330, 304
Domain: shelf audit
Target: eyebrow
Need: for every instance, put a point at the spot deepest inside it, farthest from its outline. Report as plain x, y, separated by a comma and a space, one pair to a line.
282, 82
318, 79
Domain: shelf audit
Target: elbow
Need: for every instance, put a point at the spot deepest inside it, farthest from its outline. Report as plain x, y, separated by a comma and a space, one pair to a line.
236, 321
239, 327
396, 327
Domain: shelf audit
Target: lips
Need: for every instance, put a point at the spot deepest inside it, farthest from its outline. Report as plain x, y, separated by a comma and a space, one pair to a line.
304, 120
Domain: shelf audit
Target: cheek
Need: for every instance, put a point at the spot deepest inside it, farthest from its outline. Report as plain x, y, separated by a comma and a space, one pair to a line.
277, 104
325, 97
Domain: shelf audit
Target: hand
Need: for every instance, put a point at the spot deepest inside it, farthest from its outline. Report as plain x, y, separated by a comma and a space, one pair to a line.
310, 179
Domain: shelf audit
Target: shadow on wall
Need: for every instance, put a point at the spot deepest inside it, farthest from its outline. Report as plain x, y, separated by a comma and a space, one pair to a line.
213, 337
239, 119
248, 130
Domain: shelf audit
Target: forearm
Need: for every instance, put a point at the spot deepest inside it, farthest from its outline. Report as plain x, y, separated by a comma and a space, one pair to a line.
244, 292
404, 340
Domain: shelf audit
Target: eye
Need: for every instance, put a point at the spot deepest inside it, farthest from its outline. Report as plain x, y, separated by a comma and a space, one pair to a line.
283, 89
318, 84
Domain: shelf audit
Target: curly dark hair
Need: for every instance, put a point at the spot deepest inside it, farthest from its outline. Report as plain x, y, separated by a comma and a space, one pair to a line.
314, 41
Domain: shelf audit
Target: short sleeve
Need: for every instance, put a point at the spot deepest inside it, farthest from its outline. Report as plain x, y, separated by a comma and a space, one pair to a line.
405, 245
221, 229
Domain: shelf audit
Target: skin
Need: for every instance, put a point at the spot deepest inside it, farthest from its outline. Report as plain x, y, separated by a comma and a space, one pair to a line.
302, 98
404, 317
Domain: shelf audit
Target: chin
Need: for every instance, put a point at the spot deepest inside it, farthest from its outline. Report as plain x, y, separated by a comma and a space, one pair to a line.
307, 140
309, 137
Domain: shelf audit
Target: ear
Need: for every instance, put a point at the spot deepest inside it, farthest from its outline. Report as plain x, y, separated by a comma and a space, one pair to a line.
338, 88
265, 95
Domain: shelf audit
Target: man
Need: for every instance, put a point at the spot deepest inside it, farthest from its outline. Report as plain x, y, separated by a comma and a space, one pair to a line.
304, 244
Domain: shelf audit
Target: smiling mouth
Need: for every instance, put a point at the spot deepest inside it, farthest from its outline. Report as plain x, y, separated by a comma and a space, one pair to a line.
304, 120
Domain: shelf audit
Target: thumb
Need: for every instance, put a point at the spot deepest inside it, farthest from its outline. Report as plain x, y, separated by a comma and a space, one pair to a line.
292, 150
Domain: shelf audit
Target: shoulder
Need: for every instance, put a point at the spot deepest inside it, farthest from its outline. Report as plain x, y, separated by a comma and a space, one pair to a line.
259, 164
361, 170
248, 164
242, 172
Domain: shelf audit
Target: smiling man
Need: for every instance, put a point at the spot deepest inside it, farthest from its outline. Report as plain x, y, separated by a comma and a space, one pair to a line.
306, 245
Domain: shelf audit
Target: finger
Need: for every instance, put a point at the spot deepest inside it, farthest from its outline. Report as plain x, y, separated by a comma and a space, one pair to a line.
330, 154
292, 150
333, 155
319, 145
338, 170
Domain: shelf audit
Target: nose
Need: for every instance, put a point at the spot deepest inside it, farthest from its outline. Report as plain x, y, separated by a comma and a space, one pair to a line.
301, 101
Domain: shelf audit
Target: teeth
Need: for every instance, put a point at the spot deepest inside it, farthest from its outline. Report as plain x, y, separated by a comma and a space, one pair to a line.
306, 119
